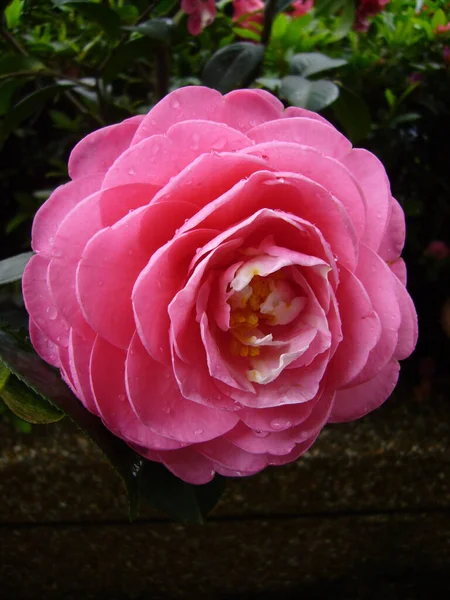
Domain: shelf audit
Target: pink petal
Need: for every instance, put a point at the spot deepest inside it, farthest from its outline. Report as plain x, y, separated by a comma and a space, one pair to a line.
39, 301
189, 465
79, 226
187, 103
236, 111
79, 356
379, 283
295, 111
304, 131
329, 173
208, 177
43, 345
391, 245
408, 331
361, 330
156, 286
155, 160
156, 399
108, 384
294, 454
270, 98
283, 442
98, 150
398, 267
53, 211
355, 402
371, 175
228, 455
111, 263
276, 418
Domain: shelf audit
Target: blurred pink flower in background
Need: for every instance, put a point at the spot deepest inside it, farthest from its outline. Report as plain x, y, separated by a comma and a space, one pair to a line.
437, 249
442, 28
252, 8
301, 7
366, 9
201, 14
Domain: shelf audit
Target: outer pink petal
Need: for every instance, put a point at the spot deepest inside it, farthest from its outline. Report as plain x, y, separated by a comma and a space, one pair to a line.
276, 418
408, 331
398, 267
296, 452
295, 111
156, 399
53, 211
189, 465
156, 286
80, 225
379, 283
328, 172
393, 240
66, 370
111, 263
283, 442
304, 131
372, 177
225, 453
155, 160
39, 302
355, 402
43, 345
108, 383
184, 104
98, 150
80, 349
244, 109
271, 98
361, 330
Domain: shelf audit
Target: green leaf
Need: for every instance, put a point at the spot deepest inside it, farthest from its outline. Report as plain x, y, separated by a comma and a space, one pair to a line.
28, 106
11, 269
7, 90
353, 114
281, 5
313, 95
164, 7
328, 7
270, 83
128, 13
28, 405
124, 55
99, 14
390, 97
13, 13
182, 501
12, 64
346, 21
156, 29
233, 66
310, 63
46, 382
439, 18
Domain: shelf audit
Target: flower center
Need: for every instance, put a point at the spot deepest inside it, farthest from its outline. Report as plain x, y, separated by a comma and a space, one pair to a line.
265, 301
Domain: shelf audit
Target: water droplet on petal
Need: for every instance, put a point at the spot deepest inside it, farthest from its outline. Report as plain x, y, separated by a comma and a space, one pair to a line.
131, 172
261, 434
195, 141
167, 410
121, 397
52, 312
198, 431
100, 283
219, 143
175, 103
280, 423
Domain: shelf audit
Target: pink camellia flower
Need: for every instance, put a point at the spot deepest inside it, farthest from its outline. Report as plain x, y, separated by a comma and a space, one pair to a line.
301, 7
443, 28
366, 9
201, 14
220, 279
252, 10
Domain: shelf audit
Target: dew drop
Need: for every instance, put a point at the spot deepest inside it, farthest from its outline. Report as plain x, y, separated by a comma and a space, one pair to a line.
261, 434
100, 283
121, 397
167, 410
130, 252
198, 431
52, 312
131, 172
280, 423
175, 103
153, 122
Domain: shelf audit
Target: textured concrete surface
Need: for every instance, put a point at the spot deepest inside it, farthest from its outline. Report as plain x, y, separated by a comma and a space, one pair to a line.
365, 514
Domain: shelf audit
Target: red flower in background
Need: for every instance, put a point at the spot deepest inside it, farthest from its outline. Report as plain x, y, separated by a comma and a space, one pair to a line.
366, 9
254, 11
301, 7
201, 14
